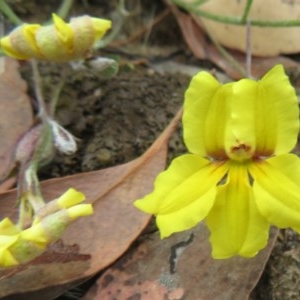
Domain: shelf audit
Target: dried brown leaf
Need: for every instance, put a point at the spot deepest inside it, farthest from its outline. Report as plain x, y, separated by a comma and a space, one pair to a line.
91, 243
15, 110
266, 41
194, 35
180, 267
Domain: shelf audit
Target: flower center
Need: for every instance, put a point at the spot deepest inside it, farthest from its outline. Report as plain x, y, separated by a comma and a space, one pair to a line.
240, 152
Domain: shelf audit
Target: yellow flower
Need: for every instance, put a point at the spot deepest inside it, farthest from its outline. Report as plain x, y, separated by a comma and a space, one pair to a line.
240, 176
20, 246
59, 42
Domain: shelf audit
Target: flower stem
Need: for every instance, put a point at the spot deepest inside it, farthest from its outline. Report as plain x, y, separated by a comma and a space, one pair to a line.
246, 11
55, 96
42, 109
65, 7
8, 12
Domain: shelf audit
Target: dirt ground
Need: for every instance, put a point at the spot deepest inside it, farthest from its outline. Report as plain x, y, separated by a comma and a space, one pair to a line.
116, 120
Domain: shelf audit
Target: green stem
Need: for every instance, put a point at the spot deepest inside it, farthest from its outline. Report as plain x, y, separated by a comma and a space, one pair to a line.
236, 20
56, 95
37, 81
246, 11
8, 12
65, 8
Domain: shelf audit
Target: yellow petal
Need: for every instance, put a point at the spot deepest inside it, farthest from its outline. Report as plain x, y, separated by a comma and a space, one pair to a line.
35, 234
263, 116
204, 115
184, 193
21, 43
100, 27
7, 240
7, 227
240, 131
9, 50
236, 226
51, 46
80, 210
64, 32
281, 97
69, 198
30, 46
277, 190
7, 259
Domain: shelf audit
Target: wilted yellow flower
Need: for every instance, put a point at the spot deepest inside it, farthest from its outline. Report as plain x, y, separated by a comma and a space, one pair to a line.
59, 42
20, 246
240, 175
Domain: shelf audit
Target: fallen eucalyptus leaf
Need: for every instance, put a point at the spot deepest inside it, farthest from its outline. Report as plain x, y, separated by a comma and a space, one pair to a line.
16, 114
180, 267
92, 243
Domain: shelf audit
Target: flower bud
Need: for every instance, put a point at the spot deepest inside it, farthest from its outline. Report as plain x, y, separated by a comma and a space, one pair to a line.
59, 42
20, 246
64, 141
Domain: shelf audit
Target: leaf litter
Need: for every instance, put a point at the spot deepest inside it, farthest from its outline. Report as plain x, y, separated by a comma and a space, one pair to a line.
66, 253
99, 240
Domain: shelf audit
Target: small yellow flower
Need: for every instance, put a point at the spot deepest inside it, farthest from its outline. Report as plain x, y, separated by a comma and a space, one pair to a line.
240, 176
59, 42
20, 246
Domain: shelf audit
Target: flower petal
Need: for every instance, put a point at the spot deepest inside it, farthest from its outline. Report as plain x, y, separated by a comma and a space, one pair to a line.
64, 32
204, 111
7, 227
281, 95
21, 42
70, 198
184, 193
277, 190
9, 49
251, 102
236, 226
101, 26
7, 259
240, 132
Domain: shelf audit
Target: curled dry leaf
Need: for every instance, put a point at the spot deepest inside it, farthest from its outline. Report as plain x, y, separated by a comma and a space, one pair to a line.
94, 242
202, 48
266, 41
16, 114
180, 267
